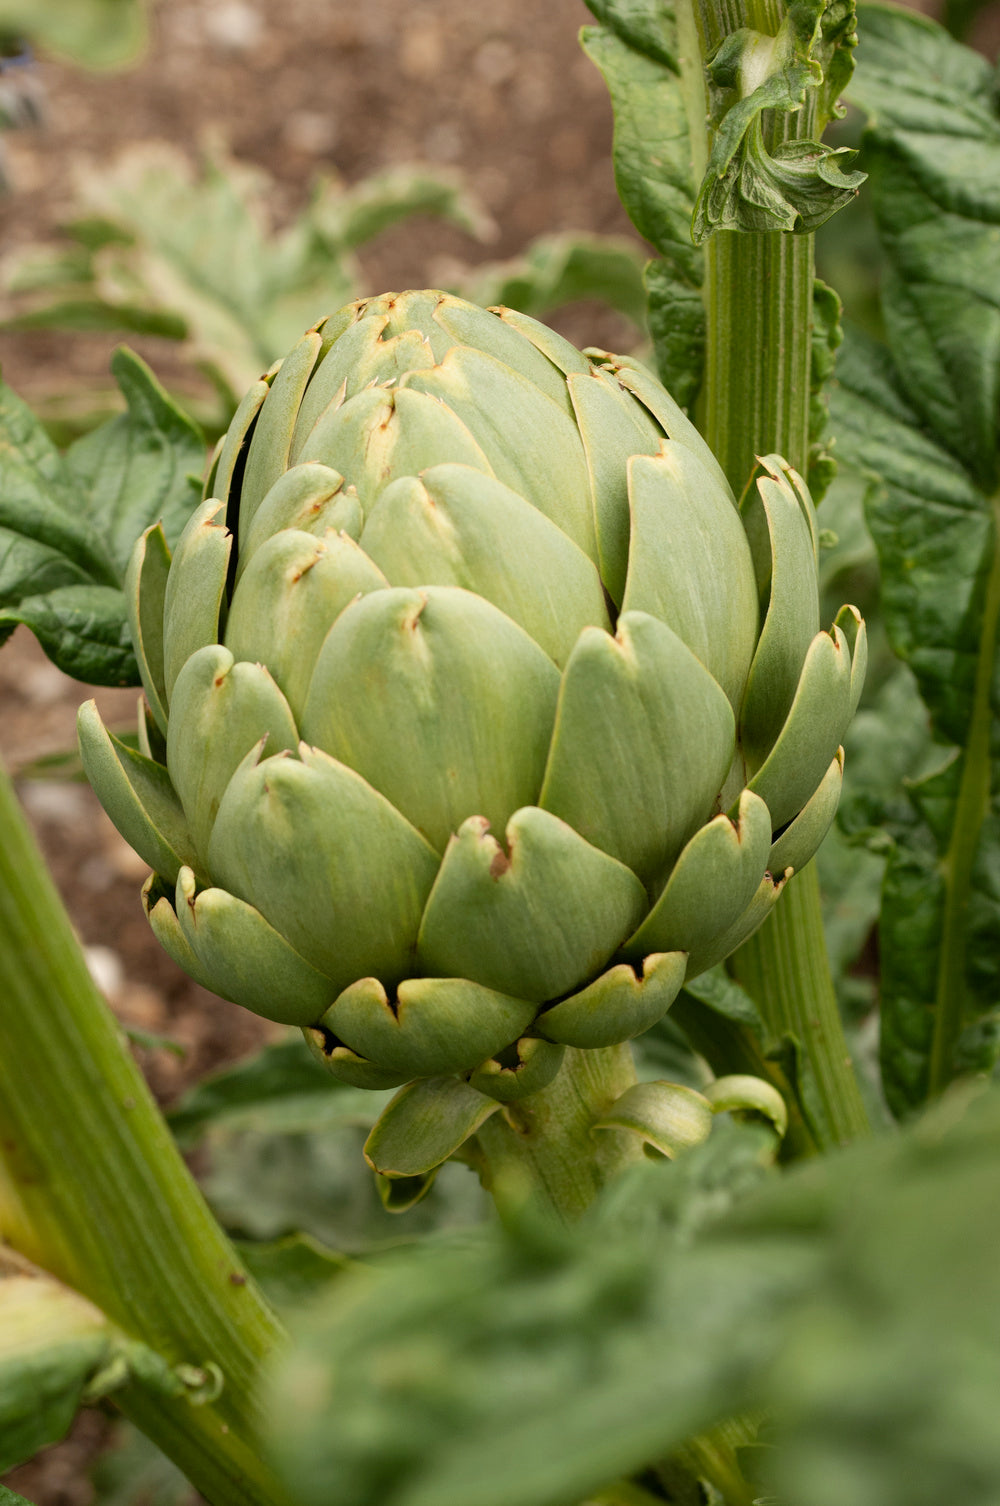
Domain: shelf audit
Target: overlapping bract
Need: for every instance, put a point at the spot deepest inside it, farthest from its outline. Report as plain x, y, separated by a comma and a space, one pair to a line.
479, 716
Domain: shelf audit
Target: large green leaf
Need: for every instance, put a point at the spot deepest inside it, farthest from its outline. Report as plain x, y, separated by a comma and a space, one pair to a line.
921, 418
636, 49
690, 1291
68, 523
933, 152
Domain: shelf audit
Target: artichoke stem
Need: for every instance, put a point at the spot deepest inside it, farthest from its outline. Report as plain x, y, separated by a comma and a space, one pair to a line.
93, 1189
786, 969
549, 1137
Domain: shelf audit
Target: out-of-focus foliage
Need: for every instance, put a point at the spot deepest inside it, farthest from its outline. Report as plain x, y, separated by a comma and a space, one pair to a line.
857, 1297
920, 418
20, 95
281, 1146
160, 248
95, 33
560, 269
135, 1473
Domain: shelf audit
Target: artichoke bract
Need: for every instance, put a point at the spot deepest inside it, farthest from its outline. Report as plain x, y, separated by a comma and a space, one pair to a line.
479, 715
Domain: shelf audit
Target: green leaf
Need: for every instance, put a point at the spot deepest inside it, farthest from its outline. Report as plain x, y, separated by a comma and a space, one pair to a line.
637, 52
347, 218
292, 1270
95, 315
646, 25
68, 524
533, 1335
690, 1291
281, 1085
135, 1473
53, 1343
83, 629
96, 33
678, 326
560, 269
281, 1143
933, 150
827, 336
8, 1498
936, 533
140, 468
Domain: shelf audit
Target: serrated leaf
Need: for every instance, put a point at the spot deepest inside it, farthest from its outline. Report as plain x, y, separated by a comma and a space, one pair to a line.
678, 326
140, 468
933, 150
194, 255
922, 417
827, 337
637, 52
68, 523
83, 629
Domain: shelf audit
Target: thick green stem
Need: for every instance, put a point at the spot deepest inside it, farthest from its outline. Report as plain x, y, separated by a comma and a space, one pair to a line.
755, 400
92, 1188
550, 1137
785, 968
970, 813
756, 393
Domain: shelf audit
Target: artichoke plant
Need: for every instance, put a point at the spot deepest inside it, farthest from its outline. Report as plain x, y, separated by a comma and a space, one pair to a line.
479, 716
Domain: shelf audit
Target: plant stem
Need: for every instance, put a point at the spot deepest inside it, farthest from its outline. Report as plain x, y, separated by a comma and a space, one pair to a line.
92, 1188
550, 1137
785, 968
757, 359
971, 811
754, 401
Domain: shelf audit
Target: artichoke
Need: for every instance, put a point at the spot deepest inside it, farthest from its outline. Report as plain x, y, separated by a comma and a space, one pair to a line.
479, 714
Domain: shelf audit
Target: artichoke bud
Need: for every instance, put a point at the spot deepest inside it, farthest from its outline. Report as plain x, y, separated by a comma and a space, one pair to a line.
481, 714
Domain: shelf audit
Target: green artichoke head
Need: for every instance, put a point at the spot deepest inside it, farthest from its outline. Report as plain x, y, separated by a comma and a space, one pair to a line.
479, 715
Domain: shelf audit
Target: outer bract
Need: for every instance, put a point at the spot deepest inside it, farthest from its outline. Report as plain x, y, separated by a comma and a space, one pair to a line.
479, 715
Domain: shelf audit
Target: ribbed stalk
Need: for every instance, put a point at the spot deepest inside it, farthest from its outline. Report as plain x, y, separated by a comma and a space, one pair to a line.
785, 968
549, 1139
92, 1188
756, 393
755, 400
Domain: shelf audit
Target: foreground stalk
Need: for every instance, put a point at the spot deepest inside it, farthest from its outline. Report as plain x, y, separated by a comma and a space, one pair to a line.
92, 1188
